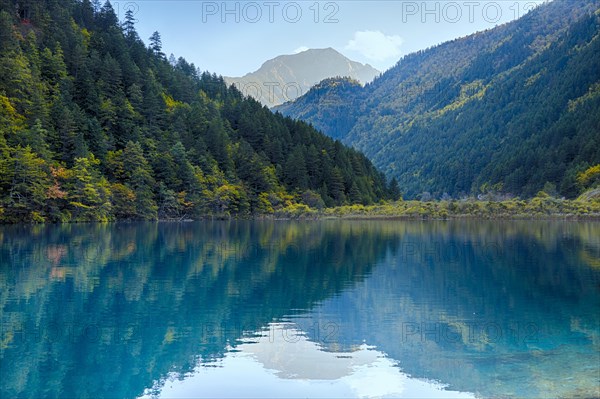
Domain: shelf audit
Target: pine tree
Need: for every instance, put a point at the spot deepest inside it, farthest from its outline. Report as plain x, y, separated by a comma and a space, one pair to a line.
89, 192
108, 17
156, 44
394, 190
123, 201
217, 141
35, 137
295, 170
138, 176
9, 40
354, 194
25, 183
129, 25
336, 186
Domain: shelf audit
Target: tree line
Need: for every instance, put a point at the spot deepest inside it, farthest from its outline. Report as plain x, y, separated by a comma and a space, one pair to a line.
97, 126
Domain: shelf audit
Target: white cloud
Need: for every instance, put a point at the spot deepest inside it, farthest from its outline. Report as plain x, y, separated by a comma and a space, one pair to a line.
300, 49
375, 45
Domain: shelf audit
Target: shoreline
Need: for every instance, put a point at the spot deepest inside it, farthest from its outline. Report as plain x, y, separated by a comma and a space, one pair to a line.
537, 208
351, 217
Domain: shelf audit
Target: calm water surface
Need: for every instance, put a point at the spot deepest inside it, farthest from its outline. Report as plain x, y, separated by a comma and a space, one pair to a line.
300, 309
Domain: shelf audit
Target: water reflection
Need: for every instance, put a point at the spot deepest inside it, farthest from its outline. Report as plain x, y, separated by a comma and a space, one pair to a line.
281, 362
504, 312
497, 309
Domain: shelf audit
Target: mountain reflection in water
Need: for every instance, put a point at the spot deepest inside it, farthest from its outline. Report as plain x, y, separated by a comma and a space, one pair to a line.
367, 308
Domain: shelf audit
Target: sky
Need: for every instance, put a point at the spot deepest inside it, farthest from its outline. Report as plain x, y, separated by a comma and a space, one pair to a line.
232, 38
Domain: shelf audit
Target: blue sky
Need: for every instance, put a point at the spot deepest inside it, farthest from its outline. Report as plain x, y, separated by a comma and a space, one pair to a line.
232, 38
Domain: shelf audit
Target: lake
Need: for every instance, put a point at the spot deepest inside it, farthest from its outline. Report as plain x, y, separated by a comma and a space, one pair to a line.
300, 309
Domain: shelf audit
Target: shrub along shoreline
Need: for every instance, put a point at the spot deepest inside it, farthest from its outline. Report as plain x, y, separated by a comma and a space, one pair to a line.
542, 206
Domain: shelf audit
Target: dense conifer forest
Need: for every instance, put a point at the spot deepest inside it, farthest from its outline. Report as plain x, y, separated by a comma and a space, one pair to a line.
97, 126
506, 112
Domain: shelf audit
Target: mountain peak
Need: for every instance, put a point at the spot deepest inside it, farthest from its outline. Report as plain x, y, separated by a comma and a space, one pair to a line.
319, 50
287, 77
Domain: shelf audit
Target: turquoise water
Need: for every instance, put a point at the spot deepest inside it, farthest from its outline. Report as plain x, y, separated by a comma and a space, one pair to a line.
300, 309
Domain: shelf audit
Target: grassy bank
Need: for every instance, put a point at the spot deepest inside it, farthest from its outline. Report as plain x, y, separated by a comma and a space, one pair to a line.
540, 207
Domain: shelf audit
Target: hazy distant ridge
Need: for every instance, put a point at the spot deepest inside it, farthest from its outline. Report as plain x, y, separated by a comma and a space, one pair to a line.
286, 77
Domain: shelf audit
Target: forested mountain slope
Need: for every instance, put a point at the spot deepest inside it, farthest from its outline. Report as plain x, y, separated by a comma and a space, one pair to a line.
509, 109
96, 126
